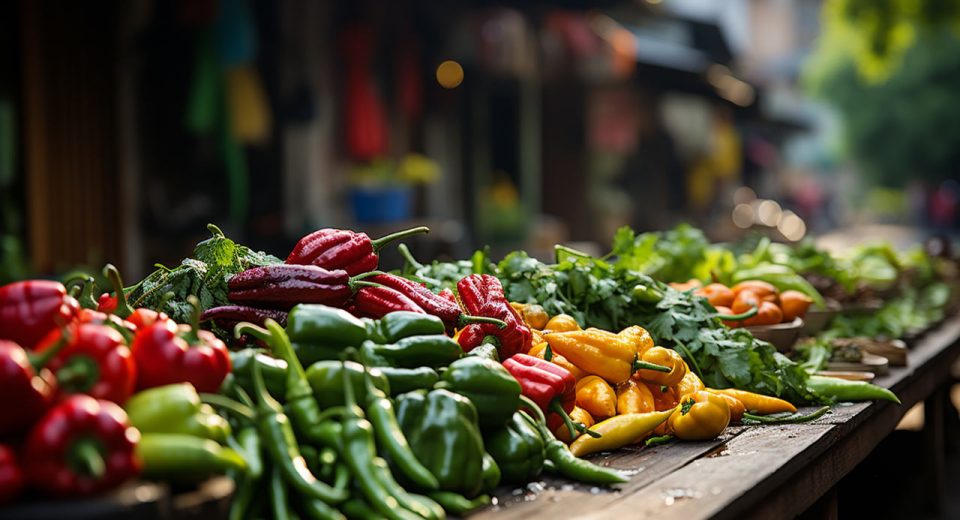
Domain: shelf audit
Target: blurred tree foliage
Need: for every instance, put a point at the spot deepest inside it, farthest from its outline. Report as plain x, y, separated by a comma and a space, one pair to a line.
892, 69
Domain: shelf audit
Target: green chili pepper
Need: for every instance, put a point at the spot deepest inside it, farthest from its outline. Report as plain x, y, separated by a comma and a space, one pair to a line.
243, 496
406, 379
357, 508
274, 370
789, 419
359, 453
485, 350
319, 510
844, 390
417, 504
458, 504
415, 351
324, 378
390, 437
319, 324
568, 464
277, 435
180, 457
404, 324
176, 408
490, 387
442, 430
279, 501
518, 449
246, 442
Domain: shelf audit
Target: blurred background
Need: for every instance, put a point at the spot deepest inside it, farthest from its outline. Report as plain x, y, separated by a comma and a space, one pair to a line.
126, 126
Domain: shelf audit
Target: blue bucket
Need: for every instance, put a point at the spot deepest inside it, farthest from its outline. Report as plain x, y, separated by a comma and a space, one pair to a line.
380, 205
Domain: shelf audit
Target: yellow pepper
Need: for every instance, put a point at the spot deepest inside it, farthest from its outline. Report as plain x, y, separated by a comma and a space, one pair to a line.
690, 384
639, 337
597, 397
535, 316
562, 323
701, 416
736, 407
634, 397
666, 358
619, 431
540, 350
758, 403
599, 352
578, 415
664, 398
536, 337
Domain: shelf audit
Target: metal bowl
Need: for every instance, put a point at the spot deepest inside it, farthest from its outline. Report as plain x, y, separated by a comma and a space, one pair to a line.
782, 335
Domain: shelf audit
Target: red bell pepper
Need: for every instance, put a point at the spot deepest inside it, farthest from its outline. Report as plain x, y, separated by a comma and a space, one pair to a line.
96, 361
81, 446
32, 308
551, 387
165, 354
11, 476
27, 387
350, 251
482, 295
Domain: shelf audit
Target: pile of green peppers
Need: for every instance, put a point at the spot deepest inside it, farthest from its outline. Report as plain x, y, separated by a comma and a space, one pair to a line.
388, 419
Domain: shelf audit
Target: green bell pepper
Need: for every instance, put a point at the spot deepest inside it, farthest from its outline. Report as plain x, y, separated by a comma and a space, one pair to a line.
490, 387
324, 378
404, 324
404, 380
442, 430
518, 449
490, 474
327, 326
415, 351
177, 409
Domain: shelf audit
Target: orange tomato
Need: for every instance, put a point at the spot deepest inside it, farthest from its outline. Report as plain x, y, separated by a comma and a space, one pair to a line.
794, 304
767, 314
744, 301
716, 294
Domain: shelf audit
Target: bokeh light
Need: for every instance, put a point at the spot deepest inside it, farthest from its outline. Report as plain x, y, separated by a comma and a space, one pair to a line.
449, 74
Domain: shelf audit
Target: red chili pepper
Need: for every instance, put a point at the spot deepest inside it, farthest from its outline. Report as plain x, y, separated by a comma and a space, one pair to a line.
438, 305
107, 303
228, 316
482, 295
32, 308
81, 446
96, 361
353, 252
551, 387
165, 354
141, 317
283, 286
376, 301
11, 476
27, 387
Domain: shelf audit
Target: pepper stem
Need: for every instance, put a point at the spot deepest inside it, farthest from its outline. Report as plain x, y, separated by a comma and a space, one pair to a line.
39, 359
408, 256
380, 242
81, 287
353, 284
637, 365
533, 407
574, 427
78, 374
223, 402
191, 336
167, 296
123, 308
548, 353
87, 458
466, 319
737, 317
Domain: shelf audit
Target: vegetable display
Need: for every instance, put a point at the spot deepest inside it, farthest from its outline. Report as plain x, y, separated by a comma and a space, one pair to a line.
328, 388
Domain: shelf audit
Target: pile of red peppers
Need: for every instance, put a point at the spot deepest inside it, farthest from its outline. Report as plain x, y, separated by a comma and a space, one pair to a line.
66, 367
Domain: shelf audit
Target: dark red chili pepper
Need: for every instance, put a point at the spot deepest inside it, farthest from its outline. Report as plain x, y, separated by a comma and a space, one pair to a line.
27, 387
11, 476
376, 301
551, 387
228, 316
283, 286
343, 249
438, 305
81, 446
482, 295
96, 361
165, 354
32, 308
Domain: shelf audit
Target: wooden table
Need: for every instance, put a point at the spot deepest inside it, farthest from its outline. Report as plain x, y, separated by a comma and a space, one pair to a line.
758, 471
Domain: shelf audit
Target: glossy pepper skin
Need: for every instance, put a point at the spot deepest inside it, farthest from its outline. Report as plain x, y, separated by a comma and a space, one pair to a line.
442, 429
758, 403
343, 249
415, 351
376, 301
560, 430
185, 458
518, 450
702, 416
489, 386
26, 384
482, 295
540, 350
283, 286
634, 397
30, 309
398, 325
319, 332
619, 431
597, 397
666, 358
550, 387
610, 356
167, 354
325, 379
81, 446
176, 409
434, 304
11, 476
690, 384
562, 323
228, 316
95, 361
